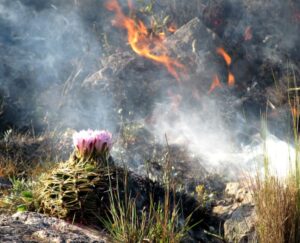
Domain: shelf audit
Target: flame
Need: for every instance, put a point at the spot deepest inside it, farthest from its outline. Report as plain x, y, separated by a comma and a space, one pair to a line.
227, 58
224, 54
216, 83
142, 42
231, 79
248, 33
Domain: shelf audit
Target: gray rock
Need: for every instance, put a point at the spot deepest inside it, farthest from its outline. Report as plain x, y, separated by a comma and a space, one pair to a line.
239, 193
239, 228
236, 210
192, 37
35, 227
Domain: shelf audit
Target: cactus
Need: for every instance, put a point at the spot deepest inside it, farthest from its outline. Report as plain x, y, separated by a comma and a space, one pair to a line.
74, 189
77, 189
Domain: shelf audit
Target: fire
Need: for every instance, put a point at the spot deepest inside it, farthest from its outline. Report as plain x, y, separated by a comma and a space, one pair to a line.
225, 55
142, 42
231, 79
228, 60
216, 83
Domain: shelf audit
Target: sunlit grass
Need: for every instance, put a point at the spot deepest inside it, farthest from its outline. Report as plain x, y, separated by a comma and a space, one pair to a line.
277, 199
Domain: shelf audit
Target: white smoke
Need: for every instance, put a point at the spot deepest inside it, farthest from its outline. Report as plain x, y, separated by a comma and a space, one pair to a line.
207, 136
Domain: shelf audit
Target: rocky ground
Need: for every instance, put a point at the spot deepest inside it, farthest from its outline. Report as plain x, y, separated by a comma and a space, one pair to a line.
35, 227
230, 219
226, 211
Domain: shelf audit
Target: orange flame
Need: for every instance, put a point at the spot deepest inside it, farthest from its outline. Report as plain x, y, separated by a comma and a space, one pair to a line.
141, 42
225, 55
216, 83
227, 58
231, 79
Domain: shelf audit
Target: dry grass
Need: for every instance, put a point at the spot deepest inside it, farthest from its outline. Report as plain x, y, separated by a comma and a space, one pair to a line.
8, 167
25, 155
276, 209
277, 200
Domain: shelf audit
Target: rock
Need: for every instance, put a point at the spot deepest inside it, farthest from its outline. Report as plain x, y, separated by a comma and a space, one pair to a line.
232, 188
239, 228
223, 211
35, 227
239, 193
236, 210
186, 40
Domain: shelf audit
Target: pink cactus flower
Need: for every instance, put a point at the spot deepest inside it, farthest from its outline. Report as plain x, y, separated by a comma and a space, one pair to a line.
84, 142
88, 141
103, 141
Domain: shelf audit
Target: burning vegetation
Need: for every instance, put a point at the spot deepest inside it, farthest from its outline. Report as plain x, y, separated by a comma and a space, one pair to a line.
200, 100
142, 41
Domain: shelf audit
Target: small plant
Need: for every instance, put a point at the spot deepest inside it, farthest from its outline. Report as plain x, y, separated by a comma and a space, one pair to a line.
166, 226
159, 222
202, 195
125, 223
20, 197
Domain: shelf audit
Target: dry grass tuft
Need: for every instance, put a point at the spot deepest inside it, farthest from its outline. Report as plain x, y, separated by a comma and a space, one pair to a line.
278, 199
8, 168
276, 209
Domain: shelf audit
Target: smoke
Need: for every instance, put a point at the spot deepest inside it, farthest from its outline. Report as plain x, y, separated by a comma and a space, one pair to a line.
47, 49
221, 148
44, 41
224, 135
204, 132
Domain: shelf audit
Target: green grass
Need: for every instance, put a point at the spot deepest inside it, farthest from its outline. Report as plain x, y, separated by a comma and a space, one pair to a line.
156, 224
19, 198
160, 222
